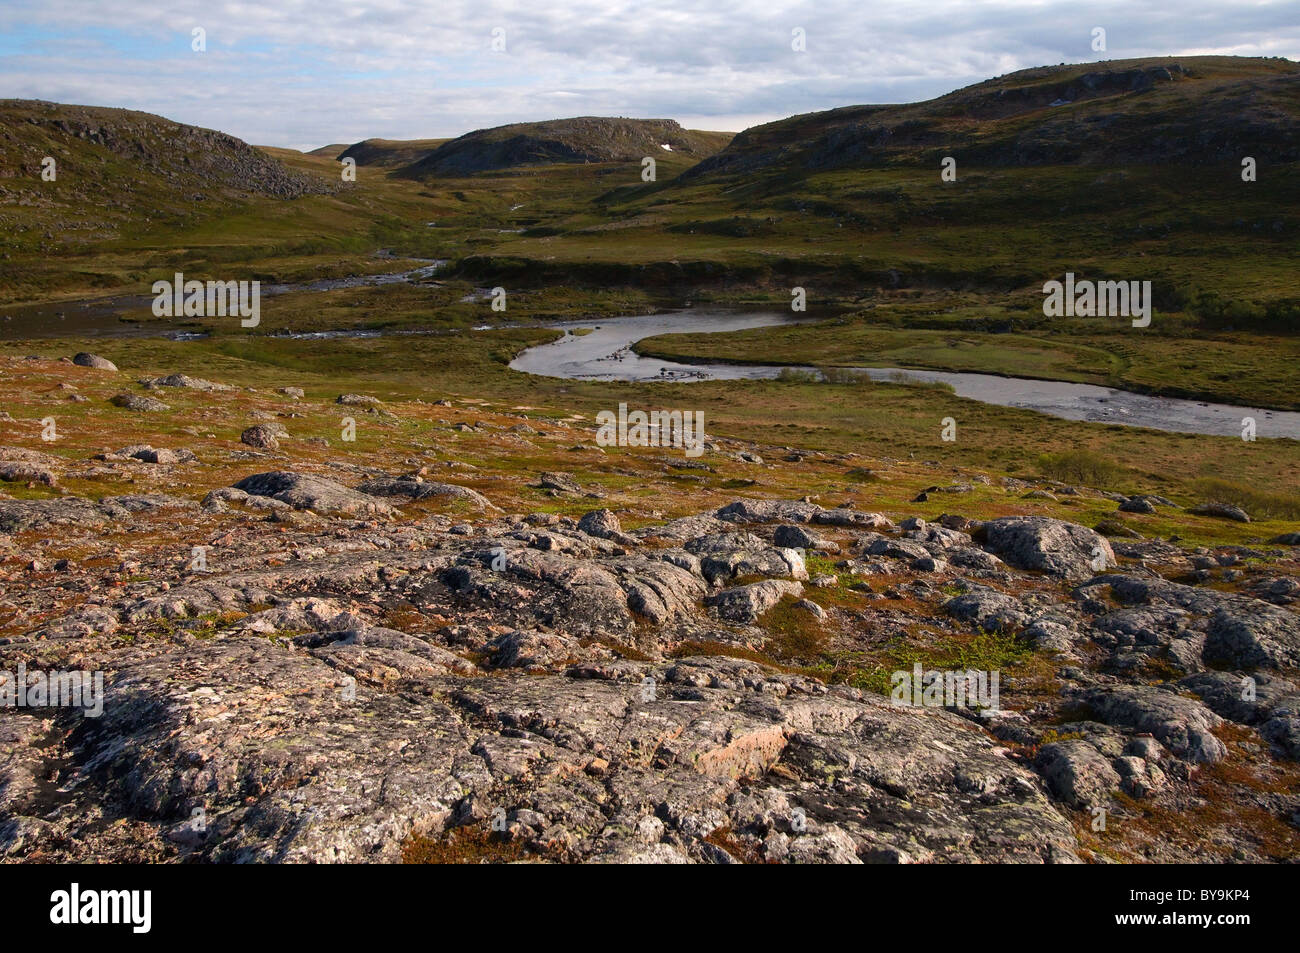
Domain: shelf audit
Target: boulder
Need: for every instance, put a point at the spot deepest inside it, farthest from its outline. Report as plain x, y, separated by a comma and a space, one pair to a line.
358, 400
1077, 773
187, 382
1222, 510
86, 359
417, 489
988, 609
559, 482
305, 491
744, 604
138, 402
1048, 545
260, 436
603, 524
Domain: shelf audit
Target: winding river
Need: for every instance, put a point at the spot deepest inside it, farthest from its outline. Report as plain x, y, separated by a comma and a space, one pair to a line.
606, 354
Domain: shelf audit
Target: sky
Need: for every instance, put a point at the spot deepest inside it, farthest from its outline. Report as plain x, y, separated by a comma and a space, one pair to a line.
304, 73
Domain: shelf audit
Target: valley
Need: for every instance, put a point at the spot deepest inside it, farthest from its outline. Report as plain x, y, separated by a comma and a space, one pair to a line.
368, 581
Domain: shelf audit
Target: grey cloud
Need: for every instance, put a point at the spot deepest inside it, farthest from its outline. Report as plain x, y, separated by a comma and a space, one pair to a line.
300, 72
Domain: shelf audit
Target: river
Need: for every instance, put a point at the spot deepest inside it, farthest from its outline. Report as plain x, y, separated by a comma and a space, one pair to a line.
606, 354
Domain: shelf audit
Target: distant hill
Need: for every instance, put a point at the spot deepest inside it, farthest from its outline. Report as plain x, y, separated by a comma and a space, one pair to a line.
389, 152
117, 169
583, 139
1196, 109
332, 151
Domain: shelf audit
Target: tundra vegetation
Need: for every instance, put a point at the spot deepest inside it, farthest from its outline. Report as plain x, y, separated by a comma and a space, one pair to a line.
377, 597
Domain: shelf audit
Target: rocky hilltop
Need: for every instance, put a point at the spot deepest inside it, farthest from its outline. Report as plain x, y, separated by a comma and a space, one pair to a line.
583, 139
118, 171
1195, 110
88, 138
389, 659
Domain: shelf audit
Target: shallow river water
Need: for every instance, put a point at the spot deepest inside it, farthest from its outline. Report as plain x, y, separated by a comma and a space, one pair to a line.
605, 354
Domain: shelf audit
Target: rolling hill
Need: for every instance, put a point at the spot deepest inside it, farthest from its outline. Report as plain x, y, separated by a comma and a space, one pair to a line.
1191, 110
121, 171
585, 139
389, 152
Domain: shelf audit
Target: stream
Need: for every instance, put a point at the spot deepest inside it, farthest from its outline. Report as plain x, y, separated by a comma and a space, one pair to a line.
606, 354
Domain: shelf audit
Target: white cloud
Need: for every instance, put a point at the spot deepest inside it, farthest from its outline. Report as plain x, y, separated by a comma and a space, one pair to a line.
302, 72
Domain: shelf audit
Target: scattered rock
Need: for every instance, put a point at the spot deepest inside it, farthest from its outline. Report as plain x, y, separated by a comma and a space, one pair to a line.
138, 402
260, 436
86, 359
1222, 510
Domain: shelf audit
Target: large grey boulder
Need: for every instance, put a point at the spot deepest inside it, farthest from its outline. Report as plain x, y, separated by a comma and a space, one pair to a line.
415, 488
987, 609
1222, 510
1048, 545
304, 491
260, 436
1077, 773
1183, 725
86, 359
768, 511
745, 604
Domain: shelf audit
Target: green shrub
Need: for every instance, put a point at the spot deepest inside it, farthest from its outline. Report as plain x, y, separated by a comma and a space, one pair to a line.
1260, 504
795, 375
1081, 466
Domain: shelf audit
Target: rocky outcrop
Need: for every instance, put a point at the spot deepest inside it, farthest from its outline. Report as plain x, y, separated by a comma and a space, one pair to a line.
746, 603
1048, 545
304, 491
351, 688
1077, 773
417, 488
1197, 624
1182, 725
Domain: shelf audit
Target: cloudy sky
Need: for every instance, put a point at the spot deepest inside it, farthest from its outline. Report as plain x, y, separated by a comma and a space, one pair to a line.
304, 73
